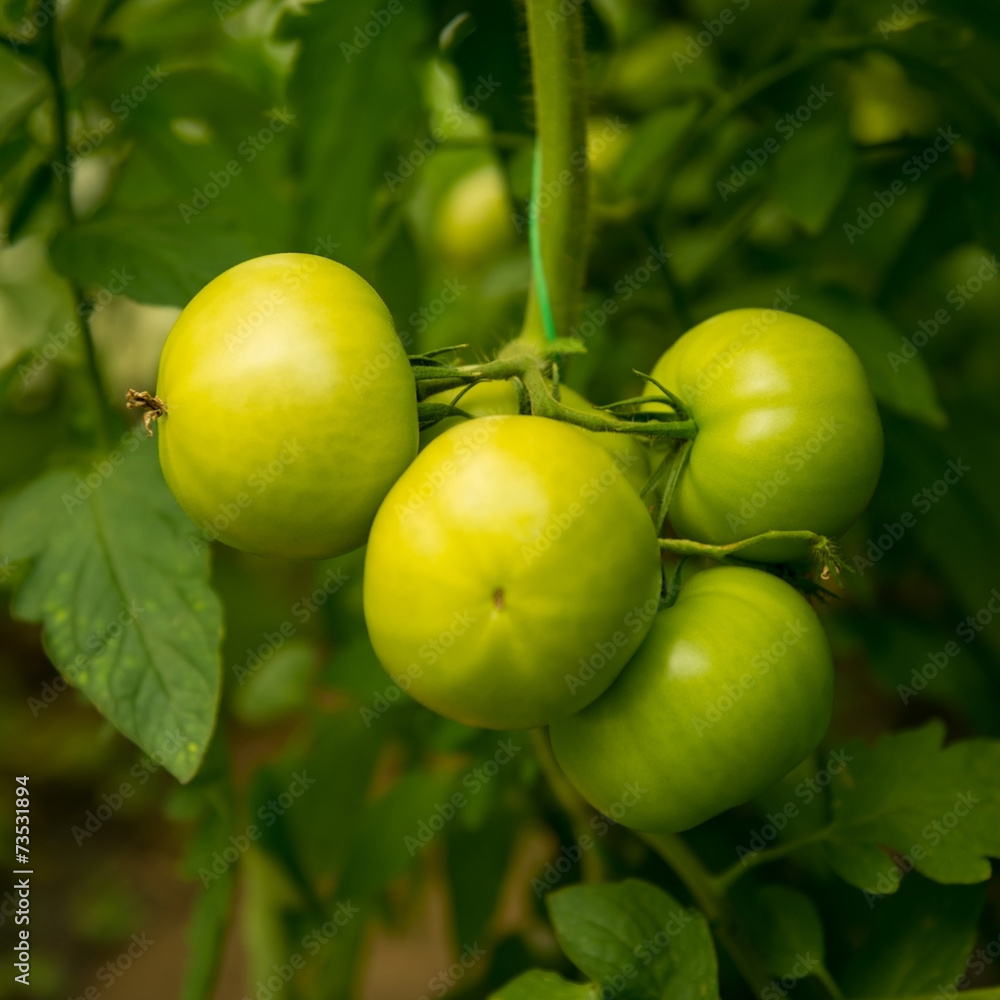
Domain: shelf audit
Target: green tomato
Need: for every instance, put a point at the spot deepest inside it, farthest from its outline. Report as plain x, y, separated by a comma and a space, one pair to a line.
474, 223
789, 436
510, 573
730, 690
290, 407
493, 398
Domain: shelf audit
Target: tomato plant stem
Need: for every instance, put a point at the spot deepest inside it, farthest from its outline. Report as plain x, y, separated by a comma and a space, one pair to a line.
532, 371
53, 64
725, 879
713, 903
686, 547
559, 204
591, 865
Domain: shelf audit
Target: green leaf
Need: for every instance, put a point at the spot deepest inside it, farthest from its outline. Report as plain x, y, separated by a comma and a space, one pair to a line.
812, 171
279, 687
356, 104
121, 585
36, 309
918, 941
394, 831
937, 809
206, 937
314, 836
784, 925
541, 985
903, 385
155, 256
637, 940
477, 868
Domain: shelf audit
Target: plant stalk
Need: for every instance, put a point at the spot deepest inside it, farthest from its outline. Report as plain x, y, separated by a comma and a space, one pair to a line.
555, 36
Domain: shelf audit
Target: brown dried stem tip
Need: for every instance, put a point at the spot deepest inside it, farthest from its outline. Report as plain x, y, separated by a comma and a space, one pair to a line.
154, 407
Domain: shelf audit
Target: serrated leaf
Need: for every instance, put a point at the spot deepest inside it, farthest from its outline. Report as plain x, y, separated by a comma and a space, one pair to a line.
783, 925
637, 940
539, 984
937, 808
903, 385
917, 941
154, 256
123, 594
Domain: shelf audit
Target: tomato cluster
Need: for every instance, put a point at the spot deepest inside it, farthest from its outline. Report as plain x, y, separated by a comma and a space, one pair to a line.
513, 575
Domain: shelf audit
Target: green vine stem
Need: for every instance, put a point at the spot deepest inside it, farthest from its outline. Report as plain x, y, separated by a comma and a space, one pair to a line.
689, 869
823, 550
555, 37
532, 369
724, 880
53, 64
591, 865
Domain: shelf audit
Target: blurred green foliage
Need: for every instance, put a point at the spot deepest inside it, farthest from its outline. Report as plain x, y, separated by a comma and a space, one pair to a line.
840, 158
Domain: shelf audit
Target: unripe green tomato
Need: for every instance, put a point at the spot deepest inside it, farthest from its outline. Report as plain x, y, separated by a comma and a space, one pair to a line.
729, 691
474, 221
493, 398
789, 436
290, 407
504, 572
